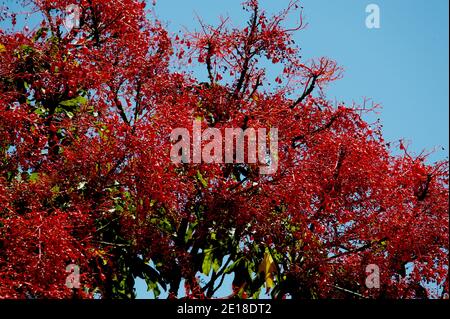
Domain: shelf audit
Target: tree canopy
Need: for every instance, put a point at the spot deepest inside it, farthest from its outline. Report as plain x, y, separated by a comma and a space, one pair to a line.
86, 177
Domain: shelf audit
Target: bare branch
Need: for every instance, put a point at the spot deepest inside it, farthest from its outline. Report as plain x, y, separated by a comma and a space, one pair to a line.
306, 93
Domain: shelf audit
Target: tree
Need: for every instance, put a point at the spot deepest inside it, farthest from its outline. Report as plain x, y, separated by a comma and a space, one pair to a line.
86, 177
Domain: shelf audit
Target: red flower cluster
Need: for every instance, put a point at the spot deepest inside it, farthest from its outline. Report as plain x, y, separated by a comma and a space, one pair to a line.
86, 176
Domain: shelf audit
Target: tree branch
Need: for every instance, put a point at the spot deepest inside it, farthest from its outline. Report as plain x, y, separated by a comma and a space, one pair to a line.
209, 63
305, 94
248, 55
317, 130
367, 246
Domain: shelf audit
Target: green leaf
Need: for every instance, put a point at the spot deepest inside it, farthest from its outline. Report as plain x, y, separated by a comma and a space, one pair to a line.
55, 189
231, 267
74, 103
40, 111
163, 224
39, 33
268, 267
201, 179
70, 114
216, 265
34, 177
189, 232
207, 261
153, 287
26, 49
256, 294
150, 275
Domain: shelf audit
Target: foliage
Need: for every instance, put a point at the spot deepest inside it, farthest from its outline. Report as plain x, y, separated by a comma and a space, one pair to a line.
86, 176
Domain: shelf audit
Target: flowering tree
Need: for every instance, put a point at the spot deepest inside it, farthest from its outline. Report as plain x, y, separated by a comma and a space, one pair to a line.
86, 178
